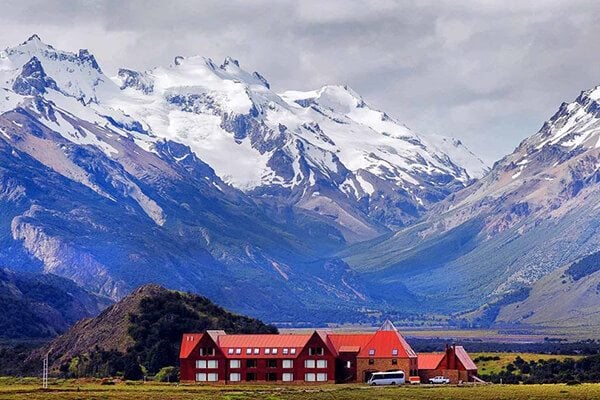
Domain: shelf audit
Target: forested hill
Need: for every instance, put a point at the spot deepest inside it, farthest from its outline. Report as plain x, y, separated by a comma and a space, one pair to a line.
145, 329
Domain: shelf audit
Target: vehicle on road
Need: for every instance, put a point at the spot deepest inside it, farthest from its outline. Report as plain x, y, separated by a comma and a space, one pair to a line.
387, 378
439, 380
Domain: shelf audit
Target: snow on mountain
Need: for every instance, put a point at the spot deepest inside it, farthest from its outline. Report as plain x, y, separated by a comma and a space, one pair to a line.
459, 154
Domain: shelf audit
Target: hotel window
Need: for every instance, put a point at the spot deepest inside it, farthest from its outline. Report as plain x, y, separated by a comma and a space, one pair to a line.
287, 377
271, 363
371, 352
235, 377
348, 364
212, 377
267, 351
274, 351
394, 361
201, 364
248, 351
321, 363
238, 351
371, 361
285, 351
235, 364
230, 351
256, 351
292, 351
321, 377
201, 377
316, 351
251, 376
271, 376
207, 351
212, 364
287, 364
394, 352
309, 363
250, 363
310, 377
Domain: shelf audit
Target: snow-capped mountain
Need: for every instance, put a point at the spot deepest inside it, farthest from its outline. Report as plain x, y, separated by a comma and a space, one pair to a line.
535, 211
199, 176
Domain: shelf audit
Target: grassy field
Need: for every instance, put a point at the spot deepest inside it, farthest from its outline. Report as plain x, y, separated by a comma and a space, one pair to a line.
29, 389
495, 366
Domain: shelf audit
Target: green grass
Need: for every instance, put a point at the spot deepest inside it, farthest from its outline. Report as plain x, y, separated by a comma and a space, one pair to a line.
495, 366
30, 390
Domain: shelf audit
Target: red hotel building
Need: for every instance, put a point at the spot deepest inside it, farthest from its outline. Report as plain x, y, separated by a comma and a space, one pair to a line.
216, 357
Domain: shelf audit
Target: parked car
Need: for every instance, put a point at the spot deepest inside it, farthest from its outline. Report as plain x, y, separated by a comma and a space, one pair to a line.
387, 378
439, 379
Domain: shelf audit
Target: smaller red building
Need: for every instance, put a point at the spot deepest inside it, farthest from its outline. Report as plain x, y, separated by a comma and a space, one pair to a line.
454, 364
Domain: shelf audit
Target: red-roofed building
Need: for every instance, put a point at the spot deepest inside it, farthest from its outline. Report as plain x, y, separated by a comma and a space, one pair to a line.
454, 364
318, 357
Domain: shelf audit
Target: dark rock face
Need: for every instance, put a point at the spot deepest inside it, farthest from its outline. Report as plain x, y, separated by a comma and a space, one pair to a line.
33, 80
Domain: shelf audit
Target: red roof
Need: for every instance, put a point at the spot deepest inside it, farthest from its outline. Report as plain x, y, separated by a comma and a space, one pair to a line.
354, 341
383, 344
464, 358
188, 342
429, 360
240, 343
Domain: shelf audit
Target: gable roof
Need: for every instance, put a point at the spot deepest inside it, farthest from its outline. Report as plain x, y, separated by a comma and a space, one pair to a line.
262, 342
429, 360
464, 358
383, 344
349, 342
188, 342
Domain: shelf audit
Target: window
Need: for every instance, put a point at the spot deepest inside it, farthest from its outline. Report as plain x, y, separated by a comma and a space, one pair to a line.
212, 377
230, 351
274, 351
271, 363
238, 351
203, 377
371, 352
235, 364
348, 364
235, 377
267, 351
207, 351
316, 351
287, 364
212, 364
310, 377
250, 363
251, 376
371, 361
256, 351
321, 363
271, 376
321, 377
285, 351
309, 363
394, 352
201, 364
292, 351
394, 361
287, 377
248, 351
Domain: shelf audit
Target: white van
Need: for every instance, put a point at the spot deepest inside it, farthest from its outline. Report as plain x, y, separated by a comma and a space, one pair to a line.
387, 378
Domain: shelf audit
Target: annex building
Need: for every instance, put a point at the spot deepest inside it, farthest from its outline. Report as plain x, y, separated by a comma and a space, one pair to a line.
321, 356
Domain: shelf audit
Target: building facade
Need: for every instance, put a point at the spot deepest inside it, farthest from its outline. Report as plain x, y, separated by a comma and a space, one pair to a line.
454, 364
319, 357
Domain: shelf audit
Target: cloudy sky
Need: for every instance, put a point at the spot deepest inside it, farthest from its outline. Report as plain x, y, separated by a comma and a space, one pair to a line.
488, 72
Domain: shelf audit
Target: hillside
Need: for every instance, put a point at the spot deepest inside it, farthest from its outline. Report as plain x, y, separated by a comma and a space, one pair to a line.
41, 306
147, 325
536, 211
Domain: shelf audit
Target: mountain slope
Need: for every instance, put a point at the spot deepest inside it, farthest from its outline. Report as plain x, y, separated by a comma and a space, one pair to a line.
148, 318
534, 212
201, 178
36, 306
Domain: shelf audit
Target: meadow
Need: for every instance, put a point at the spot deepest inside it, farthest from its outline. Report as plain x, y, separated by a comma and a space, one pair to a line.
29, 389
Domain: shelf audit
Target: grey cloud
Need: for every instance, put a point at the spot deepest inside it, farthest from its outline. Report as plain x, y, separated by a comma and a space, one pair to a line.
487, 72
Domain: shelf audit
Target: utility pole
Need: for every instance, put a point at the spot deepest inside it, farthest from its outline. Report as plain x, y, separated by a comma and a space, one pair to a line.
45, 373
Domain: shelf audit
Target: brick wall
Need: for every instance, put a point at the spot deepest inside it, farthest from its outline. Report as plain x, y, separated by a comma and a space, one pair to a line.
380, 364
